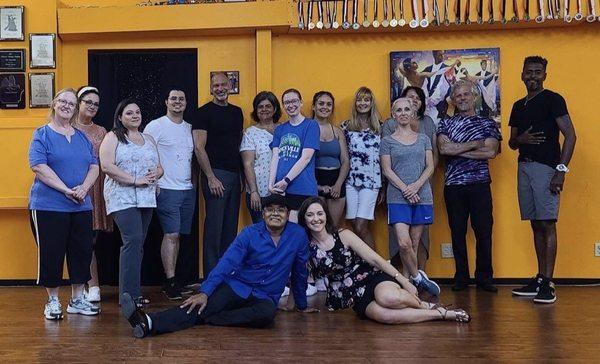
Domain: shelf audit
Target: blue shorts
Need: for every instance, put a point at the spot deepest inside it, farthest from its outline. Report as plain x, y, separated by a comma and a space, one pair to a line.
410, 214
175, 210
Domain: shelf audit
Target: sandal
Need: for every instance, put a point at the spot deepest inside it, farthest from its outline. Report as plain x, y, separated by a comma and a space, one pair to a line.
460, 315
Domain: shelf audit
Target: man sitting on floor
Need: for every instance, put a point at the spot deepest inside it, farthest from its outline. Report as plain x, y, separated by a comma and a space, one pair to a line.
245, 286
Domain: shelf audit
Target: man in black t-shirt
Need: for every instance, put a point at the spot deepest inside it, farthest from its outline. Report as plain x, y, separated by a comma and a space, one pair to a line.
536, 122
217, 131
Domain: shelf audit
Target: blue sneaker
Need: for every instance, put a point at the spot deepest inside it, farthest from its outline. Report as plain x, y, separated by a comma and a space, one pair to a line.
428, 285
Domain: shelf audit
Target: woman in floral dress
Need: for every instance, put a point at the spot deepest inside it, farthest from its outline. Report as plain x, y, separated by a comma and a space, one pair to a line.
359, 278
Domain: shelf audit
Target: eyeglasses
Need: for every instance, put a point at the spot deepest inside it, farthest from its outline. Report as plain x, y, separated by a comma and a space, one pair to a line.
280, 210
291, 102
90, 103
62, 102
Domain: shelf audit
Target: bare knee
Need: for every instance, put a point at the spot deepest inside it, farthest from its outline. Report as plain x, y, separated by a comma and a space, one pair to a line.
172, 238
405, 245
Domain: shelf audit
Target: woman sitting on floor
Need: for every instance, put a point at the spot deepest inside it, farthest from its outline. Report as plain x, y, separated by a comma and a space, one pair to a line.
359, 278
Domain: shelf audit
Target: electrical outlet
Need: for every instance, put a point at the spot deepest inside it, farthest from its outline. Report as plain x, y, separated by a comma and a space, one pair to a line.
447, 250
597, 249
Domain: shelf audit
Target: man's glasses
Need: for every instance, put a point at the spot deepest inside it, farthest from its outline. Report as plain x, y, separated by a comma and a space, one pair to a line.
280, 210
90, 103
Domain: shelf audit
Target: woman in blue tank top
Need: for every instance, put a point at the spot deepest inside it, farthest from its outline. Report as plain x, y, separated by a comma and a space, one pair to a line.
332, 157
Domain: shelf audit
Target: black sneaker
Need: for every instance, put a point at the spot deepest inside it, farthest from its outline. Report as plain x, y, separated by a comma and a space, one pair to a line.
531, 289
172, 290
546, 293
136, 317
187, 290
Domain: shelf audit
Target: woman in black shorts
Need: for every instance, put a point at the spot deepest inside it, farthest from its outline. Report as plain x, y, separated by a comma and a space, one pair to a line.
359, 278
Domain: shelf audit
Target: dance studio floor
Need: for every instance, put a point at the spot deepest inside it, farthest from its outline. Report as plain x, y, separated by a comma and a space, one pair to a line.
504, 329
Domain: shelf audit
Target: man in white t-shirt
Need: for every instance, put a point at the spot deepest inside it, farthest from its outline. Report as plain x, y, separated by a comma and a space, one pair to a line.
177, 198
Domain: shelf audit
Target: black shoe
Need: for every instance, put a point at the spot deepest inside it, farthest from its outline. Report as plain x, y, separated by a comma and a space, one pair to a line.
487, 287
459, 286
546, 294
531, 289
187, 290
172, 290
136, 317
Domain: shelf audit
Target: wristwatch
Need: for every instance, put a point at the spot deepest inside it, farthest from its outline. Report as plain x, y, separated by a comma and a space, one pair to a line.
562, 168
287, 180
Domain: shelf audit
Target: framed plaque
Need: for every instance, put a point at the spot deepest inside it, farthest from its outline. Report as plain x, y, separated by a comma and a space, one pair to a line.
12, 60
12, 90
234, 80
42, 50
41, 89
11, 23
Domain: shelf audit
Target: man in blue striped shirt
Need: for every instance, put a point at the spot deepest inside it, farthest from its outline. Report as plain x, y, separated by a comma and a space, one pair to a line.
468, 141
245, 286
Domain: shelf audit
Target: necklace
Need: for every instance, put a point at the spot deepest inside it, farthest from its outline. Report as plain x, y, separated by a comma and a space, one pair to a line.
527, 98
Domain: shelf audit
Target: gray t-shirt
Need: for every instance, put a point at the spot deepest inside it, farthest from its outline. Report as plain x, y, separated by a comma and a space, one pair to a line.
408, 162
426, 126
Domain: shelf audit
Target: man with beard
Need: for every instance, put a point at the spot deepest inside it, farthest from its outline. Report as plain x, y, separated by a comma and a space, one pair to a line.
177, 198
244, 288
468, 141
217, 132
536, 121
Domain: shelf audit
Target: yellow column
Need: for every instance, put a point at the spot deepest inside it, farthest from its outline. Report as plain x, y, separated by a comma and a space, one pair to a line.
263, 60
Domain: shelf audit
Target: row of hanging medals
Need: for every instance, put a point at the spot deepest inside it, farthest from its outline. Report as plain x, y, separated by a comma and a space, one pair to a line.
327, 13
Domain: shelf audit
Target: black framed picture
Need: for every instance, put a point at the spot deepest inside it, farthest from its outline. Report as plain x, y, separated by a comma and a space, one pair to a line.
11, 23
12, 60
12, 90
42, 50
41, 89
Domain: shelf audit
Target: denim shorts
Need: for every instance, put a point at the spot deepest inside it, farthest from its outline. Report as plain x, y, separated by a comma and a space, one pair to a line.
410, 214
175, 210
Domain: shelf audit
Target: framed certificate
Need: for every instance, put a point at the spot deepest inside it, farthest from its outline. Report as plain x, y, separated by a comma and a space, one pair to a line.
11, 23
41, 89
42, 50
12, 90
12, 60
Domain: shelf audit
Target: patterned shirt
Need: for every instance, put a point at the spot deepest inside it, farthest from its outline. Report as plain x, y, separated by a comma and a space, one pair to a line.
258, 140
363, 151
463, 129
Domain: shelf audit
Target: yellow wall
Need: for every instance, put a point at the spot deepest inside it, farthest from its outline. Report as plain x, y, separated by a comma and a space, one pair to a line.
339, 63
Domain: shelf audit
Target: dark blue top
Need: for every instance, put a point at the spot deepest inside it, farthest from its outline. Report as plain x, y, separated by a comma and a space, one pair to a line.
254, 265
291, 140
463, 129
328, 155
69, 160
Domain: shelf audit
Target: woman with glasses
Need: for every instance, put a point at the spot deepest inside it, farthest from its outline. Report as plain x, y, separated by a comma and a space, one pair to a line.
89, 101
65, 168
132, 166
292, 170
256, 150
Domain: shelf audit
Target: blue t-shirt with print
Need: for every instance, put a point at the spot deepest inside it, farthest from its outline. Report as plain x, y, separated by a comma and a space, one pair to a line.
291, 140
69, 160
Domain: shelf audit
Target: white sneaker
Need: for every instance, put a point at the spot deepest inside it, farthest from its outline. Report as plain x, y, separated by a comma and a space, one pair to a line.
92, 294
286, 292
53, 309
320, 284
311, 290
82, 306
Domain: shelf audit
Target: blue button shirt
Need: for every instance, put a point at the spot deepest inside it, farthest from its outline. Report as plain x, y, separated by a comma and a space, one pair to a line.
254, 265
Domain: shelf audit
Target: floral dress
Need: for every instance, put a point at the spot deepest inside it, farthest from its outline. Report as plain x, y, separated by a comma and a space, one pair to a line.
345, 273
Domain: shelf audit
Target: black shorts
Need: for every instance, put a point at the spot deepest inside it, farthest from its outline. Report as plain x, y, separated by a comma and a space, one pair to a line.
328, 177
361, 303
295, 201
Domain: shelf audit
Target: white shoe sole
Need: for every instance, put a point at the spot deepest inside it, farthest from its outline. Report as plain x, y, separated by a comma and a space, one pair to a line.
82, 312
545, 301
54, 317
524, 294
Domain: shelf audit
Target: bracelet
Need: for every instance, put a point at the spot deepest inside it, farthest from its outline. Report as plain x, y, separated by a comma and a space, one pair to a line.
287, 180
396, 275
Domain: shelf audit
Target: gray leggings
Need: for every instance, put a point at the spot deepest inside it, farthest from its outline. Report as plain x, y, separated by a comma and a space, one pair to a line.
133, 224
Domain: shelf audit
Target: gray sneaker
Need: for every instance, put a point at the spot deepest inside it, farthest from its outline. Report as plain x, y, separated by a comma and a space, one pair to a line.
82, 306
53, 309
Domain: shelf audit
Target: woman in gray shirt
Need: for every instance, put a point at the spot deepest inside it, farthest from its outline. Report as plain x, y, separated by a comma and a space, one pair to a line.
407, 163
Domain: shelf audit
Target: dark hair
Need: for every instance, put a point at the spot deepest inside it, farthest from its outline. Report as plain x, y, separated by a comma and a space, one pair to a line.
536, 59
90, 90
407, 63
319, 94
329, 226
168, 92
421, 94
269, 96
291, 90
119, 129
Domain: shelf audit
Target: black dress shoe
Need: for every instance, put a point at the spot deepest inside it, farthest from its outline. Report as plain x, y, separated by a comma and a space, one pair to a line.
487, 287
136, 317
459, 286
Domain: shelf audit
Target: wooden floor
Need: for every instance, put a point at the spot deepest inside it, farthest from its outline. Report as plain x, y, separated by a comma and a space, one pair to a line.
504, 329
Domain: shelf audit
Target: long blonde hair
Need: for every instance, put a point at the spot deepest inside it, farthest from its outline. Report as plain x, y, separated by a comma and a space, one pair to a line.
374, 117
51, 112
